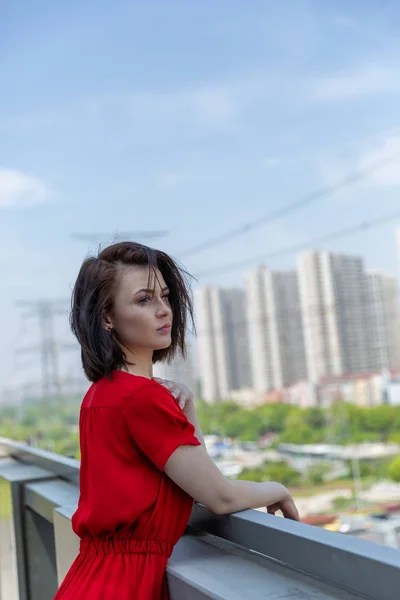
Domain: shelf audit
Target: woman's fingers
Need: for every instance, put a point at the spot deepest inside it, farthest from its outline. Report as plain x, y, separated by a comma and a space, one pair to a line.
179, 392
179, 397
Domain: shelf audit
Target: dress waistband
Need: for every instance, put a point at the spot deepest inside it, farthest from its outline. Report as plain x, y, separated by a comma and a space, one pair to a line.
100, 547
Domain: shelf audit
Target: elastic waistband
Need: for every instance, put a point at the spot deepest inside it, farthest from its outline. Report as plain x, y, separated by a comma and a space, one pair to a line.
125, 546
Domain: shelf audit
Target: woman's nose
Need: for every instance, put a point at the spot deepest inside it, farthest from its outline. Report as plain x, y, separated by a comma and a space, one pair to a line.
163, 309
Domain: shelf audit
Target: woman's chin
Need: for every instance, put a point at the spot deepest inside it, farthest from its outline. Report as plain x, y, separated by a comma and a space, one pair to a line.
162, 344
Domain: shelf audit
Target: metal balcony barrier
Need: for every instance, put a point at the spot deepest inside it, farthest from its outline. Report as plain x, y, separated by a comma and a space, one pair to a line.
247, 555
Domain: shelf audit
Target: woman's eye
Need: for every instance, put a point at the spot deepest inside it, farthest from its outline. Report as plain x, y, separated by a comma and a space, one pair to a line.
148, 299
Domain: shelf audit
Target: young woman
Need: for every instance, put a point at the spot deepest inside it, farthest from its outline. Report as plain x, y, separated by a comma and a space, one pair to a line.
142, 457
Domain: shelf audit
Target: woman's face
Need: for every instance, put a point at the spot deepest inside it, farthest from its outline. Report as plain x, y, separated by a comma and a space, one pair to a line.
142, 315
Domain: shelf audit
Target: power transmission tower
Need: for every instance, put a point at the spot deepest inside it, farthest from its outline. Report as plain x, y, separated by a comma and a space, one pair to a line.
46, 311
116, 237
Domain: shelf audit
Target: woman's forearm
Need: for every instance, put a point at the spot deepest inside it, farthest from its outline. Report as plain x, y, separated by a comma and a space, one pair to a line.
250, 494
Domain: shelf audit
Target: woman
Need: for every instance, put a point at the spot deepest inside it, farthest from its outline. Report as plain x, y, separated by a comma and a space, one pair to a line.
143, 460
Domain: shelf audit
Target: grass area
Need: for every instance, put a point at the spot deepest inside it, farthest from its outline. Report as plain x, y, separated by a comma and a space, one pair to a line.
310, 490
341, 504
5, 500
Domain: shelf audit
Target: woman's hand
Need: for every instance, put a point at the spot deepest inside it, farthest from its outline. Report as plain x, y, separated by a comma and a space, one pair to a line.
185, 399
179, 391
287, 508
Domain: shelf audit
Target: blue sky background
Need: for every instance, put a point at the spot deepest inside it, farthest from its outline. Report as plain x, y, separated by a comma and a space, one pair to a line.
191, 117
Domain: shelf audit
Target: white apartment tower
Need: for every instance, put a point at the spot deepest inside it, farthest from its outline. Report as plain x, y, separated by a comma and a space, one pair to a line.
398, 246
223, 353
384, 315
275, 329
334, 303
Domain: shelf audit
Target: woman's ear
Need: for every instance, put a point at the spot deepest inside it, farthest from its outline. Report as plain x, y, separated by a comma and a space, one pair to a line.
107, 323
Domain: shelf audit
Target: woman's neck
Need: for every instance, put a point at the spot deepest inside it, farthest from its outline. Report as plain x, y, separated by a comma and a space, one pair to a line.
139, 363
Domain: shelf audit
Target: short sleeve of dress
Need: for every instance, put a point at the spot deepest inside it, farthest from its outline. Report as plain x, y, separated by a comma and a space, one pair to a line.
157, 424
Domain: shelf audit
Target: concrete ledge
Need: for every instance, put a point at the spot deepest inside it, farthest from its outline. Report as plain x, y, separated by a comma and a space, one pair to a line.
347, 562
199, 570
44, 496
56, 464
14, 471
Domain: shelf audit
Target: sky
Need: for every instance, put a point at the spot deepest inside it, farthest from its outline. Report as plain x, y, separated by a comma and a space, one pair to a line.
192, 118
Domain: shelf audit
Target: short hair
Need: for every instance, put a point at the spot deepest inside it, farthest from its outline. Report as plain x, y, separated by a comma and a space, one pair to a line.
93, 296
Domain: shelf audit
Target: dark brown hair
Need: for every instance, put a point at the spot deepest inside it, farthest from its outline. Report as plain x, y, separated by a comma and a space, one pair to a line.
93, 296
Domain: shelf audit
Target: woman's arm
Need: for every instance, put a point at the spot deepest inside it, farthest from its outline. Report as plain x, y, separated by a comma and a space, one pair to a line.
194, 471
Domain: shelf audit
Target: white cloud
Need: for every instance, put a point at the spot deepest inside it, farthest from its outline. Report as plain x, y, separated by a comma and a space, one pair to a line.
197, 111
345, 22
354, 84
213, 104
380, 160
387, 154
271, 162
205, 105
20, 190
173, 179
332, 170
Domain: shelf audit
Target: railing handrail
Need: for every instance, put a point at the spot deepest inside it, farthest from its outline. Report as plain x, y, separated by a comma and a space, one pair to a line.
345, 561
62, 466
209, 522
223, 526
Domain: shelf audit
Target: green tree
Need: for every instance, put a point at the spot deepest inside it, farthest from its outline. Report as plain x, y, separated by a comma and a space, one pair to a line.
394, 437
341, 503
315, 417
274, 416
394, 469
299, 431
279, 471
375, 468
315, 475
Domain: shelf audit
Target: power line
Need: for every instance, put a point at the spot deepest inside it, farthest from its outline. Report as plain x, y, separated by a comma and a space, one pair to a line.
315, 196
287, 250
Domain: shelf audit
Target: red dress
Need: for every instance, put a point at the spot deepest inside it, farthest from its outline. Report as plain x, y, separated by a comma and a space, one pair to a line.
130, 514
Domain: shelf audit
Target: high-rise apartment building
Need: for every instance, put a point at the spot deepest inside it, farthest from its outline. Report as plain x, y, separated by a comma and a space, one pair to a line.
384, 316
334, 303
275, 329
223, 354
398, 246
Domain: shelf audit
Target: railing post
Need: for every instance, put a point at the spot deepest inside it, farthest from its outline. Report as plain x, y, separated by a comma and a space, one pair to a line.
14, 568
67, 543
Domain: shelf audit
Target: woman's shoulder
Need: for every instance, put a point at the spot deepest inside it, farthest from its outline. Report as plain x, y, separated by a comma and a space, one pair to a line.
114, 391
126, 385
130, 384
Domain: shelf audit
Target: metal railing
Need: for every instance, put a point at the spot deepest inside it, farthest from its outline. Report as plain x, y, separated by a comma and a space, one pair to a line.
245, 555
